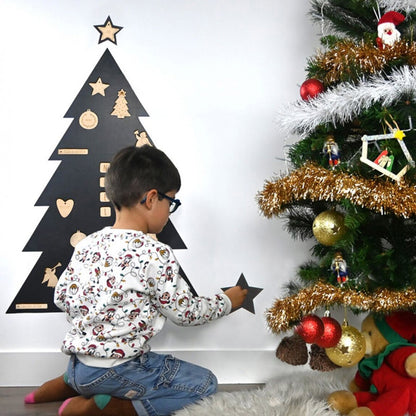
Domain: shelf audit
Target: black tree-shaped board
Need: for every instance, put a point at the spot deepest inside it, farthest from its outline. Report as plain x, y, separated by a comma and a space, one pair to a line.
105, 117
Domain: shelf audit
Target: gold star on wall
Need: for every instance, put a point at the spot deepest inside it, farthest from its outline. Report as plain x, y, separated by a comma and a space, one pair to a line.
108, 31
98, 87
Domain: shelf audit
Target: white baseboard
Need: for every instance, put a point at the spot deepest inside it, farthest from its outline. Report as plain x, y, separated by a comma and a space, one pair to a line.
230, 366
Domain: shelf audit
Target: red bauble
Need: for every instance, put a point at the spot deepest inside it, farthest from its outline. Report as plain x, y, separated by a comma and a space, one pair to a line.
310, 328
332, 333
311, 88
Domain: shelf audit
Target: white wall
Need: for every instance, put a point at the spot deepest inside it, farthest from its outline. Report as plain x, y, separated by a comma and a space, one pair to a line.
211, 74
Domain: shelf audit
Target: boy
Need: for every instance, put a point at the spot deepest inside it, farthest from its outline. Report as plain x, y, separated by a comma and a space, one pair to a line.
117, 292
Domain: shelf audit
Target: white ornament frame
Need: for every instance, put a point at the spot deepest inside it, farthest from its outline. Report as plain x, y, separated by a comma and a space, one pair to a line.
395, 134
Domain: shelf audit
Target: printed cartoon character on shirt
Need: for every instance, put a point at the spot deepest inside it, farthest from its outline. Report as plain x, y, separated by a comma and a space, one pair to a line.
81, 256
125, 261
73, 289
117, 353
189, 316
62, 296
71, 348
108, 261
151, 285
96, 257
182, 302
132, 315
98, 329
117, 296
88, 290
163, 254
135, 244
110, 282
127, 265
83, 310
110, 314
164, 298
97, 274
91, 350
169, 274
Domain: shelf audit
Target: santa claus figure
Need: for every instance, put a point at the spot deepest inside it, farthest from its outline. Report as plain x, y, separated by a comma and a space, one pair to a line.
386, 29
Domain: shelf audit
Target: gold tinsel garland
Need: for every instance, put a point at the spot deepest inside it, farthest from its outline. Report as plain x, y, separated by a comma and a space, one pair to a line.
350, 59
287, 311
315, 183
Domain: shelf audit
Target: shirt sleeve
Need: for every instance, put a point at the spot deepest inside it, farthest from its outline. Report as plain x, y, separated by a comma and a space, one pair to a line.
174, 300
60, 292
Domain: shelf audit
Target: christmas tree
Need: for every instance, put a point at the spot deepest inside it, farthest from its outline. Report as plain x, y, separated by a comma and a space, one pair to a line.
105, 117
351, 179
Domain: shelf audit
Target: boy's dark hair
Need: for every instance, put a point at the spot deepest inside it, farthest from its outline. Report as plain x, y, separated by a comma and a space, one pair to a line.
136, 170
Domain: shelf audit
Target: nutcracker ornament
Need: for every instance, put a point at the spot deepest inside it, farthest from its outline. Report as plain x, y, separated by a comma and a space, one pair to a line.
339, 267
331, 149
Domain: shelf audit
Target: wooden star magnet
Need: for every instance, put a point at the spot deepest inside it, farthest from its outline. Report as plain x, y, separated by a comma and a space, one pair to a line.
108, 31
98, 87
252, 293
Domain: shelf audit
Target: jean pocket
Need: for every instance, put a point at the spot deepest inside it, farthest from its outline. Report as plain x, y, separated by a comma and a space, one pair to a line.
168, 371
101, 382
108, 381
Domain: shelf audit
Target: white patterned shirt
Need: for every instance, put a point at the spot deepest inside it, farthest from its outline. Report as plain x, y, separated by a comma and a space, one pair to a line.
118, 290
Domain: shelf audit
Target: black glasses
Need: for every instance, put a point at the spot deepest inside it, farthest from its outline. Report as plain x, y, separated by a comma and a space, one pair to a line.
174, 203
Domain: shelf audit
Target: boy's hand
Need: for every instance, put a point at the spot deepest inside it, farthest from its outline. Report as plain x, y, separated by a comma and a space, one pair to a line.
236, 295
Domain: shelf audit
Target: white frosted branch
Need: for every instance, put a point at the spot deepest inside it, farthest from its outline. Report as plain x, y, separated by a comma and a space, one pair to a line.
345, 101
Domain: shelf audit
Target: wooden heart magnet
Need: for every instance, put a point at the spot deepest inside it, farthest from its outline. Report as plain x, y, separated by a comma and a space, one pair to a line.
64, 207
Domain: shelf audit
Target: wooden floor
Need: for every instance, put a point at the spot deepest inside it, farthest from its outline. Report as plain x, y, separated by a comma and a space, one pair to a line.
11, 401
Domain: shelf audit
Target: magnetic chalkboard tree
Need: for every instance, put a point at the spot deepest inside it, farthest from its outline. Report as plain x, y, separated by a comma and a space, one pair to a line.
105, 117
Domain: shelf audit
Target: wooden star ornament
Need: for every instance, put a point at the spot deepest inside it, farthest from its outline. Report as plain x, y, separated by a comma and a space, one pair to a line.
98, 87
108, 31
252, 293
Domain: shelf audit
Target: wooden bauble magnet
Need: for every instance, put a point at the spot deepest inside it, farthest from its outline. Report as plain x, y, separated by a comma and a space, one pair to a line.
141, 138
76, 238
88, 120
64, 207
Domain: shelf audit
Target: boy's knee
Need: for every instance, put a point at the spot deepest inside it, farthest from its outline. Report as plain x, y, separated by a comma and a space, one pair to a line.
212, 385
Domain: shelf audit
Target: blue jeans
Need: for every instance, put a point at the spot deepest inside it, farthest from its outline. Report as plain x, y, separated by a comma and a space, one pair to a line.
157, 384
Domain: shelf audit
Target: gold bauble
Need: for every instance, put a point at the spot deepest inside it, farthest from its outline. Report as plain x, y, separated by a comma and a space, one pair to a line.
350, 348
328, 227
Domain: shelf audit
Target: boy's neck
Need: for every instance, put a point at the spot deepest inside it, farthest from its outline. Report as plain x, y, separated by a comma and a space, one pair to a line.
127, 219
